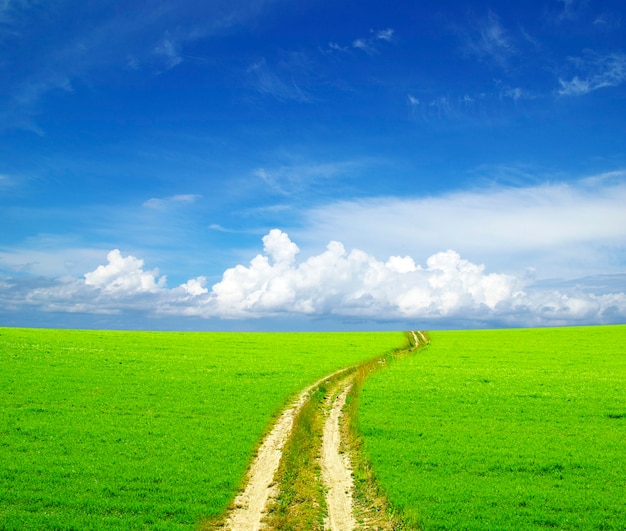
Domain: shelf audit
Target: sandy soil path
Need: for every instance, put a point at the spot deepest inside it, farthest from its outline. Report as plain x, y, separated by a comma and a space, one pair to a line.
251, 505
336, 470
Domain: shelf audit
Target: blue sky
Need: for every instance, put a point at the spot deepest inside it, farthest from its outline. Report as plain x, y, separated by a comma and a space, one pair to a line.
312, 164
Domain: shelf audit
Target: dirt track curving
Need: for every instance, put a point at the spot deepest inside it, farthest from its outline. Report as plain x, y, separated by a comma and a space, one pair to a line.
251, 505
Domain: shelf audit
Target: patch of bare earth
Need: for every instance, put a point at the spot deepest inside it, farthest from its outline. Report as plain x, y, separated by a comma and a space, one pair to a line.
252, 505
336, 468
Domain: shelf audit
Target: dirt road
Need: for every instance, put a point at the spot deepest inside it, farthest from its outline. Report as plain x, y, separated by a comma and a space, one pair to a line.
336, 468
251, 505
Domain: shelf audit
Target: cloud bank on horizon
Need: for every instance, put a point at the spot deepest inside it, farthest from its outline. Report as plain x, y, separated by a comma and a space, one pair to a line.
335, 283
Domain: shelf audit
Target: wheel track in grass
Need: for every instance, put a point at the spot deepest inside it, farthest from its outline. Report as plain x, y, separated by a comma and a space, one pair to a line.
253, 503
336, 467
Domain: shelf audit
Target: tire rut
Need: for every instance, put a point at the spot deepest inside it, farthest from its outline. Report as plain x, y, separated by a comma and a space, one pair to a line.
336, 467
253, 503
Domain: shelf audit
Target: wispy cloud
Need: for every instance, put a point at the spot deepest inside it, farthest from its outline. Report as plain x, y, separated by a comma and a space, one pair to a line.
515, 93
269, 83
414, 104
385, 35
337, 47
60, 259
172, 201
444, 108
490, 41
608, 21
297, 178
441, 107
218, 228
572, 9
53, 54
169, 49
557, 228
5, 181
369, 44
596, 72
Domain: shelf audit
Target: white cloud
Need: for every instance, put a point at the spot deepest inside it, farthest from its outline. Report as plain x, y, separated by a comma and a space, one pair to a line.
195, 286
218, 228
362, 44
337, 282
124, 275
562, 230
490, 40
174, 200
572, 9
368, 44
170, 51
48, 257
597, 72
269, 83
142, 36
336, 47
355, 284
442, 107
515, 94
290, 179
385, 35
8, 181
278, 245
401, 264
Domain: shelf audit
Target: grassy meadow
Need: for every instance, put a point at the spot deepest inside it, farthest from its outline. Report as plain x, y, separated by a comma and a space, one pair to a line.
503, 430
134, 430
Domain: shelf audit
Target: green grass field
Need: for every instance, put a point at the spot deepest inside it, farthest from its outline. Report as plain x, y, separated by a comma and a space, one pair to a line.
135, 430
503, 430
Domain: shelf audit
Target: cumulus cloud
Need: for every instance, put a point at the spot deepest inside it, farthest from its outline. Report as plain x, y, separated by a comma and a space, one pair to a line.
125, 275
340, 283
195, 286
356, 284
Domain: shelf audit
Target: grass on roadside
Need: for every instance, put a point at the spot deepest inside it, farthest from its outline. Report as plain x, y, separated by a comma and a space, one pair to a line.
503, 429
300, 504
371, 504
121, 430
